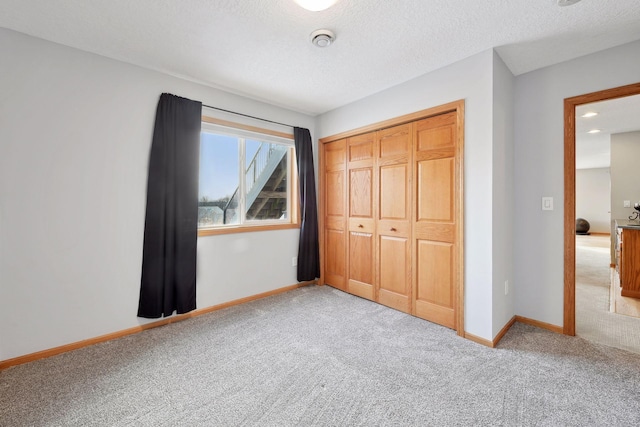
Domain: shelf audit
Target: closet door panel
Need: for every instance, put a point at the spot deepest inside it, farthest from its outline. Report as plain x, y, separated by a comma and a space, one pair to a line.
335, 272
434, 294
335, 154
335, 220
434, 225
395, 142
435, 196
393, 192
334, 200
436, 232
437, 132
361, 251
395, 284
360, 192
394, 218
361, 147
361, 269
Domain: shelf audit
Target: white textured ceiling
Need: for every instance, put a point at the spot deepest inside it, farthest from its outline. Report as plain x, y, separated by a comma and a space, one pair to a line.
261, 48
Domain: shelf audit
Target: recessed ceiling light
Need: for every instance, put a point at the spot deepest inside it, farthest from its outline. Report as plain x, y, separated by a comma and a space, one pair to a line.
567, 2
594, 131
589, 114
316, 5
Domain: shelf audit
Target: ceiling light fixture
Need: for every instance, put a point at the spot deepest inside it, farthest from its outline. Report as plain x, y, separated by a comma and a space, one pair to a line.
594, 131
322, 38
316, 5
589, 114
563, 3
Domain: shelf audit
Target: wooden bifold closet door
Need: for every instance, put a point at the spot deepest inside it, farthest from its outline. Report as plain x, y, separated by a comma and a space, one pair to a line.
434, 226
391, 212
361, 244
394, 220
334, 199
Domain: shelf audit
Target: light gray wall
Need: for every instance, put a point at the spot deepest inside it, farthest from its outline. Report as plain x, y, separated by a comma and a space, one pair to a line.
625, 173
503, 86
75, 133
593, 198
471, 80
539, 170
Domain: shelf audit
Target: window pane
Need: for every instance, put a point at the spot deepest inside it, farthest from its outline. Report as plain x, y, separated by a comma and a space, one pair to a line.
266, 181
218, 191
243, 178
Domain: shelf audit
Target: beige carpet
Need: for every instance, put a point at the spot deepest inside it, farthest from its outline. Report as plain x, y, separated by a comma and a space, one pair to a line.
594, 321
316, 356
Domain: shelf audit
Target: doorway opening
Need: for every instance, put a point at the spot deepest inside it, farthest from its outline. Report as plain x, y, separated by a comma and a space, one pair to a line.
570, 105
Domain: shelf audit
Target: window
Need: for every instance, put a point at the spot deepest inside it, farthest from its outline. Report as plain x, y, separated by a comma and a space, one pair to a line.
245, 180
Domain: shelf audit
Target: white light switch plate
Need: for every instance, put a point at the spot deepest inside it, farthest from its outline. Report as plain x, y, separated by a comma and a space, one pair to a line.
547, 203
627, 204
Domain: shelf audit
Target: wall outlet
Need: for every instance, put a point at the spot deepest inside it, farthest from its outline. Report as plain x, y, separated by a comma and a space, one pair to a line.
294, 261
506, 287
627, 204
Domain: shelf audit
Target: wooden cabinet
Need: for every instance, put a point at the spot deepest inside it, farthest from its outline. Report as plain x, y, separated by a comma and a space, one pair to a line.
391, 203
629, 268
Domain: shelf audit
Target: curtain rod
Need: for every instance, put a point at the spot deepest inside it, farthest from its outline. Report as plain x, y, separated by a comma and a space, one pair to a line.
246, 115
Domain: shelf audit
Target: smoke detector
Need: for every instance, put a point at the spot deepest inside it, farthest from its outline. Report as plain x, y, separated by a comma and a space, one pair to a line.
563, 3
322, 38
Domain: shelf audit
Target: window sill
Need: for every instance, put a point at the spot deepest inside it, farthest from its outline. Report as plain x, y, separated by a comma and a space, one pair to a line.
203, 232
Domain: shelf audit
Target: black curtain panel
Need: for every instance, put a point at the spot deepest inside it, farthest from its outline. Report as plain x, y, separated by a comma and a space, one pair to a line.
308, 249
171, 224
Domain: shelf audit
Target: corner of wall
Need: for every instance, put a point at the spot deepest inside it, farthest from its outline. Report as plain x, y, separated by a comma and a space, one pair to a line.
503, 82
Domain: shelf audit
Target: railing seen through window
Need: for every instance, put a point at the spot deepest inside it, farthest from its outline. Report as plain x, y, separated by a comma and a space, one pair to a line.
245, 178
